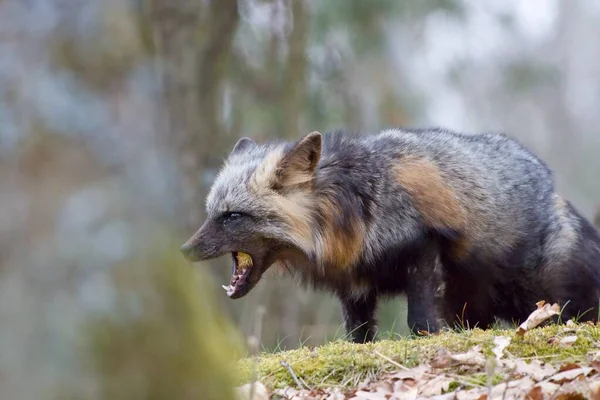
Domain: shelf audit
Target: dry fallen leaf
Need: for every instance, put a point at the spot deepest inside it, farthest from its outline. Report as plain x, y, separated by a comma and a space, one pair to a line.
472, 394
501, 343
596, 365
382, 386
535, 394
543, 312
415, 373
568, 396
567, 341
552, 340
435, 386
595, 356
446, 396
259, 391
569, 327
535, 369
405, 386
548, 388
568, 367
336, 395
364, 384
471, 357
569, 375
364, 395
575, 390
405, 392
303, 394
444, 358
511, 387
595, 390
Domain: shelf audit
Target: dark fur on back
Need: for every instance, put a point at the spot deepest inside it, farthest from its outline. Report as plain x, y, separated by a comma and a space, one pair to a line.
468, 227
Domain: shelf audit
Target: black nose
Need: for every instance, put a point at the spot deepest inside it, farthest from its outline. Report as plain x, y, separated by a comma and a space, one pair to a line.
186, 250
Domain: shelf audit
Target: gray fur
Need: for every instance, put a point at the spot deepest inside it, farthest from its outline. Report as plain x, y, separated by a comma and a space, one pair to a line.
524, 243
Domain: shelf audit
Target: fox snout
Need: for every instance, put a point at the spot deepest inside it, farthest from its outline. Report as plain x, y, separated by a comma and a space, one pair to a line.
201, 246
187, 250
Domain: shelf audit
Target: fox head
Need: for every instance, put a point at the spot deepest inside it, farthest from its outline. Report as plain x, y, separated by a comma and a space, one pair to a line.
260, 209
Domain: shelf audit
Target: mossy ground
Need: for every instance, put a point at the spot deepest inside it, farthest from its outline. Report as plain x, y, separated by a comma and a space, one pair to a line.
344, 364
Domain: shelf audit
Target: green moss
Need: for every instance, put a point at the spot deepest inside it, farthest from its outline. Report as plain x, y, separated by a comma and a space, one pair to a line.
341, 363
453, 386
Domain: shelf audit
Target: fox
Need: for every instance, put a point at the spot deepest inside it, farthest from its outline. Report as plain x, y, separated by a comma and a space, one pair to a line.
468, 227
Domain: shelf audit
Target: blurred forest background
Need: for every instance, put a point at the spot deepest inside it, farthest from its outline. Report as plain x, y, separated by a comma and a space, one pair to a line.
115, 116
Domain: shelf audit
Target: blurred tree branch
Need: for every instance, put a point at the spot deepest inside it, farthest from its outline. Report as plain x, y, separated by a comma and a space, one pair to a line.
194, 39
293, 87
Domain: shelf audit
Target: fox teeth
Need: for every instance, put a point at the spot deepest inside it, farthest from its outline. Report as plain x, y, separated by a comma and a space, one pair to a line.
236, 276
227, 288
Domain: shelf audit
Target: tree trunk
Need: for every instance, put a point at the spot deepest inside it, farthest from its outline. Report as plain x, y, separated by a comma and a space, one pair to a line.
193, 39
294, 85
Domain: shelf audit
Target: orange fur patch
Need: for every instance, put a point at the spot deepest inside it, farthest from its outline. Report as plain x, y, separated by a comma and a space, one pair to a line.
296, 209
434, 199
336, 248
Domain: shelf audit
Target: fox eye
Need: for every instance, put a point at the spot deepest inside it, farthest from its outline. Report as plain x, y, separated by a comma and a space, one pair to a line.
227, 217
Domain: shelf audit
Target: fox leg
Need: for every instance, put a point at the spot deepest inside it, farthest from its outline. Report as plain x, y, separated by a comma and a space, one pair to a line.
466, 300
359, 317
424, 279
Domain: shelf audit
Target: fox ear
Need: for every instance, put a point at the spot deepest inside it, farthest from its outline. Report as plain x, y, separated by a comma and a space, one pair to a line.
299, 164
243, 144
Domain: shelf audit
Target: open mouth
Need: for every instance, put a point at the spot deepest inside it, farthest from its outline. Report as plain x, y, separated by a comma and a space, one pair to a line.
240, 271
